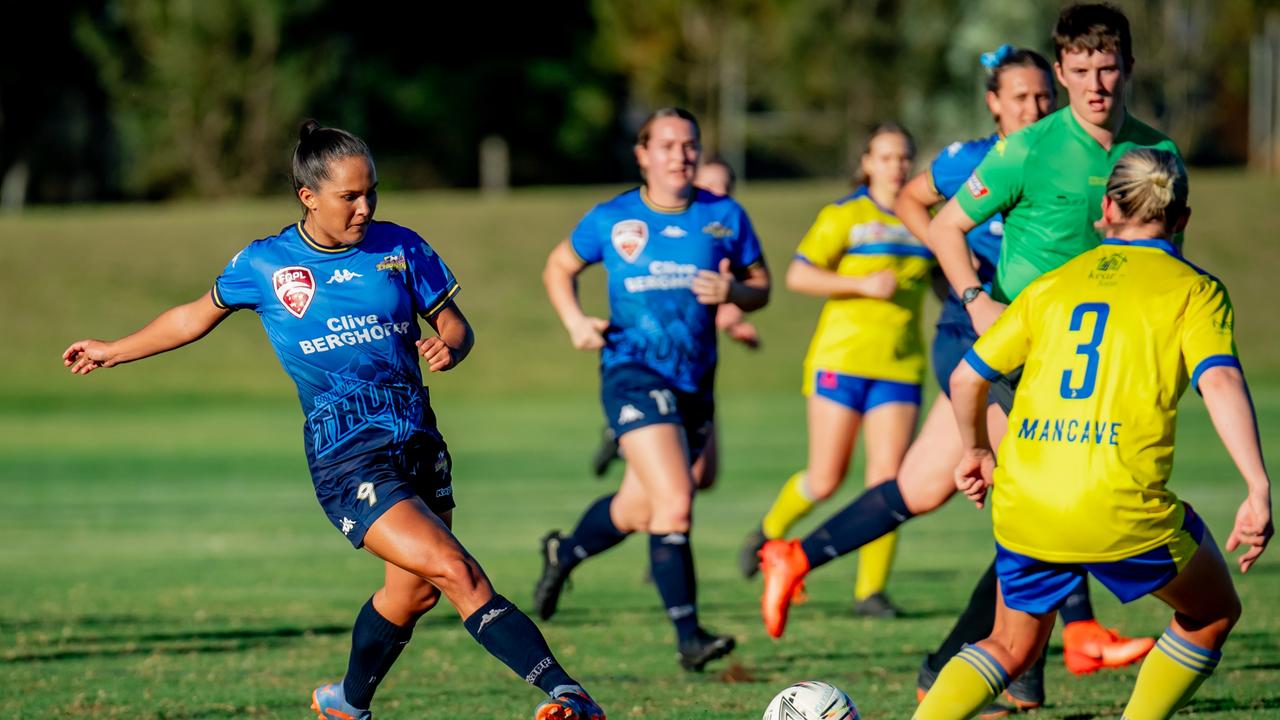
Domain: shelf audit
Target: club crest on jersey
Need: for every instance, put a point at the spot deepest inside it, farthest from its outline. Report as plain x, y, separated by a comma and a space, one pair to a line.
294, 286
629, 238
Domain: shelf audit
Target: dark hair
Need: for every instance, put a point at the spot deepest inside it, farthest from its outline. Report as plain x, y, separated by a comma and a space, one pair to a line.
885, 128
728, 169
1007, 56
317, 148
646, 128
1099, 27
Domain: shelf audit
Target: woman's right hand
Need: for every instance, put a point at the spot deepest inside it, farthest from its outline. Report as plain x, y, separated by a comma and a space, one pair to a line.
1253, 528
879, 285
588, 333
973, 475
85, 356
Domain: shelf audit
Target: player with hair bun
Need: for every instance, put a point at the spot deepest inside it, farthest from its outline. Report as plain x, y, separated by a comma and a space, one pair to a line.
1108, 342
340, 296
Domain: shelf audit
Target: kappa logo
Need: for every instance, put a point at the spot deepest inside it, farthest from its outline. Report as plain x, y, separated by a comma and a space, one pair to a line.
341, 276
629, 414
673, 231
976, 188
294, 286
490, 616
629, 238
954, 148
348, 525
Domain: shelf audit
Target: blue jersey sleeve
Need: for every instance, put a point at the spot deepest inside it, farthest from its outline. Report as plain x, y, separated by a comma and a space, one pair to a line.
745, 251
237, 287
951, 168
430, 280
588, 238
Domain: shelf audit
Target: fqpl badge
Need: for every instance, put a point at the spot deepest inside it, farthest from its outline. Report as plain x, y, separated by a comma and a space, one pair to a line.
629, 238
295, 286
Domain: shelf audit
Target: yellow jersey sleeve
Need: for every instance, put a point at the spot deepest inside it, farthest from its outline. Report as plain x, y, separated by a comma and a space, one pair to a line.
1005, 346
1208, 337
826, 241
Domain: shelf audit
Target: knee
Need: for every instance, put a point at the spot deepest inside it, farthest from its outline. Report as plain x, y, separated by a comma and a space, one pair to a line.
676, 518
421, 600
458, 575
821, 485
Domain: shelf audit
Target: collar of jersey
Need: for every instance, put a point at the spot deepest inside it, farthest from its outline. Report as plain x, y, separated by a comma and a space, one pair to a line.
1157, 243
1083, 134
862, 191
644, 198
311, 242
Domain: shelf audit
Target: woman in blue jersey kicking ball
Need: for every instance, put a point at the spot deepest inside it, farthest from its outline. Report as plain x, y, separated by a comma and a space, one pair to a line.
673, 254
1108, 342
340, 296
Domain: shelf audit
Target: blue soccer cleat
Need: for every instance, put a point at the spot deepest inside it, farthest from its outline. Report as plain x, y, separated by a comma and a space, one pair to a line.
569, 702
330, 703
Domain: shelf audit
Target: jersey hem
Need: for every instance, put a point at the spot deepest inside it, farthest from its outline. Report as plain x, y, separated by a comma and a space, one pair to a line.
1053, 556
444, 301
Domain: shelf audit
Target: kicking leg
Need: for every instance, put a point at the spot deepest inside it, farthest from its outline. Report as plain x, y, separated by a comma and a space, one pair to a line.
888, 430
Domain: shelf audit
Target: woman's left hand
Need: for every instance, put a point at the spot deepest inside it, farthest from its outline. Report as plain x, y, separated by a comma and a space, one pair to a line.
1253, 528
973, 475
438, 355
712, 288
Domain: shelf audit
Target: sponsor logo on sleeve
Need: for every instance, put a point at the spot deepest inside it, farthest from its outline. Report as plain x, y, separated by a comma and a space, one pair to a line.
976, 188
629, 238
718, 230
294, 286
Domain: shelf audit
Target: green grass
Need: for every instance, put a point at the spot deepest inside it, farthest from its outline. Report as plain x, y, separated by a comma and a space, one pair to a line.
163, 555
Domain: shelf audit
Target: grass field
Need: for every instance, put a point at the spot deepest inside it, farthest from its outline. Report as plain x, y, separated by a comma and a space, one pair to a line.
164, 557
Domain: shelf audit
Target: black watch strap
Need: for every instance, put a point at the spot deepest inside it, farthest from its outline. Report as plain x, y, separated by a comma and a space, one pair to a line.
970, 294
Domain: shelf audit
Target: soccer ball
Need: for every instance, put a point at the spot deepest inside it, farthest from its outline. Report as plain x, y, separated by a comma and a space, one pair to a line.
811, 700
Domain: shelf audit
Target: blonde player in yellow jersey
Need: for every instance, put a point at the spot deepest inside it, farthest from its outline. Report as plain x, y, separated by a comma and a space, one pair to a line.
1108, 342
866, 361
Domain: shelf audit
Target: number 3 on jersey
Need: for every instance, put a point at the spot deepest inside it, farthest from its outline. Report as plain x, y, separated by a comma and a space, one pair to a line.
1089, 350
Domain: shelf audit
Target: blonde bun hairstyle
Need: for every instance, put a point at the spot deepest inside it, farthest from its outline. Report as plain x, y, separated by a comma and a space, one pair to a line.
1149, 186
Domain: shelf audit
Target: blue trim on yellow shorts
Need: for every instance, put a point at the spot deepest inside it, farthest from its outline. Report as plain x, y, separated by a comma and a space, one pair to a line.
1036, 586
861, 394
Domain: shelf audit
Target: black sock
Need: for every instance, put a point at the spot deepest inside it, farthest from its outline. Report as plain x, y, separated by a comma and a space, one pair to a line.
974, 623
671, 560
594, 534
511, 636
1077, 606
876, 512
376, 642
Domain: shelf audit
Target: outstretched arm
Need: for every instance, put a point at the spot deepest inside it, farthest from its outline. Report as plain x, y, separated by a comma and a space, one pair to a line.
173, 328
453, 341
973, 474
1227, 398
560, 277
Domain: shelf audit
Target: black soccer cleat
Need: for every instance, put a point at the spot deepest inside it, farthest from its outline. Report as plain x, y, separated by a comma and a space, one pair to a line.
606, 453
876, 605
703, 648
749, 554
546, 593
1026, 691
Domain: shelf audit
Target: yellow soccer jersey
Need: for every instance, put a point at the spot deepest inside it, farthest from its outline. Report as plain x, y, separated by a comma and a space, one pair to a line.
1108, 343
871, 338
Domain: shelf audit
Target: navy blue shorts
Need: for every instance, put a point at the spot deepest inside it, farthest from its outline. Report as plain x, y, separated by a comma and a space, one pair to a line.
355, 491
950, 344
1037, 587
862, 394
634, 396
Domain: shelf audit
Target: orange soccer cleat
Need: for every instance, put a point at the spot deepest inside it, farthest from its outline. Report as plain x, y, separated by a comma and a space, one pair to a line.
1088, 647
784, 566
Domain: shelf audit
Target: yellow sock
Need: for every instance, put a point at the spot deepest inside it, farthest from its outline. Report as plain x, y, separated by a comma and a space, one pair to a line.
875, 560
1170, 675
968, 683
791, 504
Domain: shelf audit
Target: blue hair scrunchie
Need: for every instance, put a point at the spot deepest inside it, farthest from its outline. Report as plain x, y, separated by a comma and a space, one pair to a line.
992, 60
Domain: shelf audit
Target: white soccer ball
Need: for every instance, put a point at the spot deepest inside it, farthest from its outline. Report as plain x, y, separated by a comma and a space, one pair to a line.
811, 700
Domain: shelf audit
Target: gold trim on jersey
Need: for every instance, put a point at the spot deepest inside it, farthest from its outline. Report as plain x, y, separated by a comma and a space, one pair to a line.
311, 242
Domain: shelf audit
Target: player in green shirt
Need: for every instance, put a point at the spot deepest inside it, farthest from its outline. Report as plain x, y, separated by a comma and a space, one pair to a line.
1047, 180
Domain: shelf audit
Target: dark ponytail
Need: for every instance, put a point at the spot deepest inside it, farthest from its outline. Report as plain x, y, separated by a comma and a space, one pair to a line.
317, 148
1008, 56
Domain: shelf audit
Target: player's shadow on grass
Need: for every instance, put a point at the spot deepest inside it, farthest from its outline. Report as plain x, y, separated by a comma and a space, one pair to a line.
207, 641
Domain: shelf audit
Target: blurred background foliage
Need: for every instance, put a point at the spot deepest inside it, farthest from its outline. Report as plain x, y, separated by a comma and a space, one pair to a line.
145, 99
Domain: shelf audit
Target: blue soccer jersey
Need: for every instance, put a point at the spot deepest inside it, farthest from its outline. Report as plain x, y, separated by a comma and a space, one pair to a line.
949, 171
651, 256
343, 322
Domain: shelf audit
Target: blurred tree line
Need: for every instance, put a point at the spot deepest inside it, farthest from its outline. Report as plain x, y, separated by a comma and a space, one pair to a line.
129, 99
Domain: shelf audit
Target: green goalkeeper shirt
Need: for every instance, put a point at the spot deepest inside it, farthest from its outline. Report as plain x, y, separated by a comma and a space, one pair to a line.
1048, 180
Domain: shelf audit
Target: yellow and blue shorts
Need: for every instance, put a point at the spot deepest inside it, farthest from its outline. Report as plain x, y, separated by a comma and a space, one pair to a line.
862, 394
1037, 587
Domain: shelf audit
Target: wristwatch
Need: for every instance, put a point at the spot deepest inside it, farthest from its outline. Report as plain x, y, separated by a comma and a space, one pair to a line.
970, 294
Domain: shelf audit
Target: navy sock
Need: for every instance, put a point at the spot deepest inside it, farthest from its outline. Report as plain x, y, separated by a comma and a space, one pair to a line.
376, 642
511, 636
974, 623
594, 534
875, 513
671, 561
1077, 606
